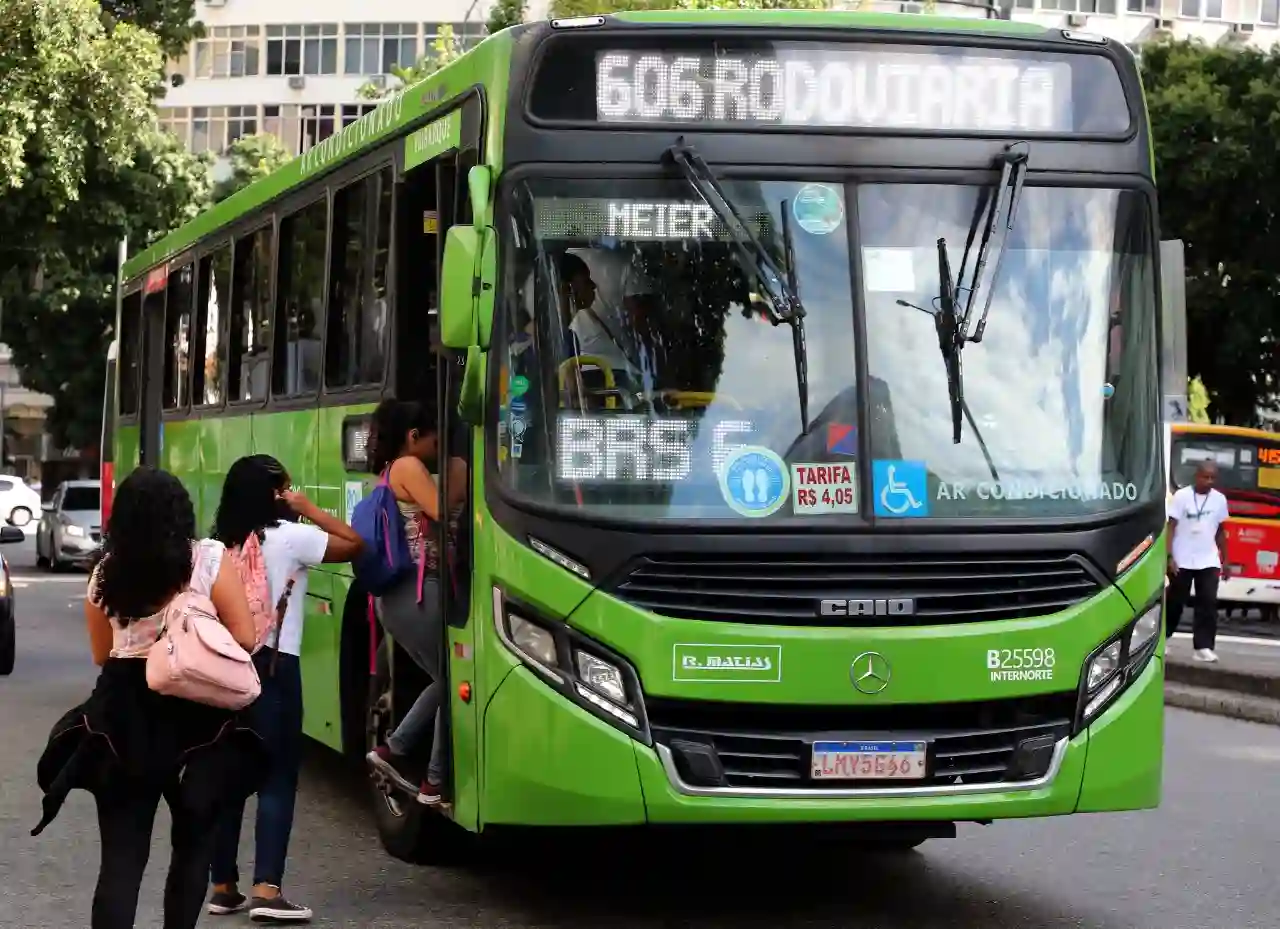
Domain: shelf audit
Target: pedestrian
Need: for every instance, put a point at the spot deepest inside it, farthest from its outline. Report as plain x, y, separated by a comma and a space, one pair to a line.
404, 437
256, 501
128, 745
1197, 556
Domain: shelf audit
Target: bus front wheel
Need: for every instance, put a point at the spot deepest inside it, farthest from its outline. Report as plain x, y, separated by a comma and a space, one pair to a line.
408, 830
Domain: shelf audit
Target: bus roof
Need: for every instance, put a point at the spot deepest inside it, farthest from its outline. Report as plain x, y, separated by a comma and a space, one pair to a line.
410, 105
1239, 432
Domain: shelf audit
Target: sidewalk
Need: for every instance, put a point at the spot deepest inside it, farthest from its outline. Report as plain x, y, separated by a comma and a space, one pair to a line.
1244, 683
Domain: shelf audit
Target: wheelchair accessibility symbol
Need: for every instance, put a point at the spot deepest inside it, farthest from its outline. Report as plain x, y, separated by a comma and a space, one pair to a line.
900, 488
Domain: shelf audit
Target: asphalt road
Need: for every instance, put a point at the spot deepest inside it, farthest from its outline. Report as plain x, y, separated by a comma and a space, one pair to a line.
1205, 859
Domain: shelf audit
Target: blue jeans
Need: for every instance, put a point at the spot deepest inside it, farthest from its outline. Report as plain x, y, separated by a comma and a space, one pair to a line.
276, 716
418, 628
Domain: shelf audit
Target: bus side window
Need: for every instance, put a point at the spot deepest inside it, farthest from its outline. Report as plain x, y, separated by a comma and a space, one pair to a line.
177, 340
300, 300
251, 317
130, 351
358, 294
210, 339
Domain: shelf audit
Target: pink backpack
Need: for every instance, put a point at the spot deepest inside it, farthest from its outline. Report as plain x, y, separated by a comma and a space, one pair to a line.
252, 568
196, 658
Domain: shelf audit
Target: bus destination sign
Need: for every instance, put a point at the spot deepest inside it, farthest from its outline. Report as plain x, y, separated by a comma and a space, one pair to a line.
814, 86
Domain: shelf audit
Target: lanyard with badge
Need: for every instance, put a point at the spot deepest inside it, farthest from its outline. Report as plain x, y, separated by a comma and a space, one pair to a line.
1197, 527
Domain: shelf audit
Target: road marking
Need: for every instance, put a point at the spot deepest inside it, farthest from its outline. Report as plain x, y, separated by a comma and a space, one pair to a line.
1237, 639
41, 579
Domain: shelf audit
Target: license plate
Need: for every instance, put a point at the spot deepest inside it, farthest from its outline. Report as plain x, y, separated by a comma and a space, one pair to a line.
877, 761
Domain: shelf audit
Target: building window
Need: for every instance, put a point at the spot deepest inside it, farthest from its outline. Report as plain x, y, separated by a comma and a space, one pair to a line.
310, 49
317, 125
1270, 12
1151, 7
1104, 7
353, 111
375, 48
175, 120
228, 51
213, 128
1230, 11
284, 121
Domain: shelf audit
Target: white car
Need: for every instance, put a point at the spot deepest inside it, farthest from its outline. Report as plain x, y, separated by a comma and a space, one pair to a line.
19, 504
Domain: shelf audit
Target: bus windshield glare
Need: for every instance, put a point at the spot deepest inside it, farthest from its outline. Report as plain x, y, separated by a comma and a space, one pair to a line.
642, 370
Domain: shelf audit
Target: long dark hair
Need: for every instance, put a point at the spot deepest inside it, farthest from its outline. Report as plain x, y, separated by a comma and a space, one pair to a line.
392, 421
250, 499
146, 553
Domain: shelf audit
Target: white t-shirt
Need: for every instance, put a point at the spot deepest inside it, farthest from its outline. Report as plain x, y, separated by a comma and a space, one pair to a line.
595, 339
1196, 520
289, 549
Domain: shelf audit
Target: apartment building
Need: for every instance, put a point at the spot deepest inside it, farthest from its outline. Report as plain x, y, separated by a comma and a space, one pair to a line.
293, 67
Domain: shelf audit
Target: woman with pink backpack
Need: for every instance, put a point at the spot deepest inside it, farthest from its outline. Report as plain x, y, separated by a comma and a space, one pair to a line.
257, 522
131, 744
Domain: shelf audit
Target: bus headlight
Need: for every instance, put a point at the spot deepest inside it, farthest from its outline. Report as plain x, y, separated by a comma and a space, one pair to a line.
581, 669
1117, 662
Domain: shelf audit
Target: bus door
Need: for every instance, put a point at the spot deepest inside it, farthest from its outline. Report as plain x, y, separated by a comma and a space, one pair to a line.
433, 197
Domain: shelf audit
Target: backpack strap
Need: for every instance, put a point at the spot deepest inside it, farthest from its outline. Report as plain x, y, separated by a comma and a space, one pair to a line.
281, 606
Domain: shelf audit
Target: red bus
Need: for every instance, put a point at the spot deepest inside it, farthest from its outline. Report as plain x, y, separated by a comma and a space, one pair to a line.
1249, 474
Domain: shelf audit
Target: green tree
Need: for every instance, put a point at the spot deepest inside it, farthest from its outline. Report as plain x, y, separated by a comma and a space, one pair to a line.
505, 13
59, 326
252, 157
172, 21
568, 8
1215, 114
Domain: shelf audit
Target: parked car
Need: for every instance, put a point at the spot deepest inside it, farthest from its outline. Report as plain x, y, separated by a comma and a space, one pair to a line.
70, 530
19, 503
8, 634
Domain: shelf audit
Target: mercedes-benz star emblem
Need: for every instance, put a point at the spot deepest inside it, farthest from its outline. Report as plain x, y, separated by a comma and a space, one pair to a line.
870, 673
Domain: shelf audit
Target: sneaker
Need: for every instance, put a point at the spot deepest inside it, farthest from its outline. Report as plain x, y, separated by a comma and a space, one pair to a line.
429, 794
224, 903
1205, 654
392, 765
277, 910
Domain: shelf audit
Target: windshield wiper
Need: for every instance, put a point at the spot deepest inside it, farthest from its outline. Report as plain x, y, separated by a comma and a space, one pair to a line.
778, 287
995, 219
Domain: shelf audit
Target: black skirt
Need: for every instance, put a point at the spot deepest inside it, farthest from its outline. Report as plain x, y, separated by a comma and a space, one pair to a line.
126, 732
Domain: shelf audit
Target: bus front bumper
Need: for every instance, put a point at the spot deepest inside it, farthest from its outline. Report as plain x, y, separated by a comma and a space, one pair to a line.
1248, 591
550, 763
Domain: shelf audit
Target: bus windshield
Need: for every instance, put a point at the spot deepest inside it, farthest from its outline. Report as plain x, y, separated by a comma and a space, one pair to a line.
1248, 468
645, 376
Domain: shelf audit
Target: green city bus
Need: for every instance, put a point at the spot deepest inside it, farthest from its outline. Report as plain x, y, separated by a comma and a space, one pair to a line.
789, 500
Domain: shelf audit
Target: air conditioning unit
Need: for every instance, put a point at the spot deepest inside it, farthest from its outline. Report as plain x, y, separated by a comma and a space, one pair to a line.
1077, 20
297, 82
378, 80
1242, 29
911, 8
1164, 25
215, 3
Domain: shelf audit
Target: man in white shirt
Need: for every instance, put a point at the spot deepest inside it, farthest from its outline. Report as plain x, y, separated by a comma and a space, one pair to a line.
1197, 554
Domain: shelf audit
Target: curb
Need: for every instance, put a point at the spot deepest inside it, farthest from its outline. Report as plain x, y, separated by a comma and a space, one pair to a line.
1220, 702
1215, 677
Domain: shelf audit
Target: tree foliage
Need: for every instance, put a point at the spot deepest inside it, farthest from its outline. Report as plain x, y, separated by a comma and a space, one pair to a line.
568, 8
60, 329
172, 21
505, 13
252, 157
1215, 114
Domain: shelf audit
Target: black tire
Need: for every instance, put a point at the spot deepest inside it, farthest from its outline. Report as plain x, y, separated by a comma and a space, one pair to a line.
895, 846
408, 830
20, 516
8, 646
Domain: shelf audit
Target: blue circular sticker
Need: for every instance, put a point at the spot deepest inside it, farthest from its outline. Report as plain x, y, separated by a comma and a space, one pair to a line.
754, 481
818, 209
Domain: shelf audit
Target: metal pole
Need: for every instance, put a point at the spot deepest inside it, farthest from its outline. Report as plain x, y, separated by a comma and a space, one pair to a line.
3, 384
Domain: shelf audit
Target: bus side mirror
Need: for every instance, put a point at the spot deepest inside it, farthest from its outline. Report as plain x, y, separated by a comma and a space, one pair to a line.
457, 289
467, 292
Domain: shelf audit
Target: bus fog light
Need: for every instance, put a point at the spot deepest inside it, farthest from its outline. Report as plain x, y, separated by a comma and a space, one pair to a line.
602, 677
1144, 630
536, 642
1103, 666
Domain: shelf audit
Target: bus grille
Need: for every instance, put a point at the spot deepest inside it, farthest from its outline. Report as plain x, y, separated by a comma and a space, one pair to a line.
770, 747
785, 589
